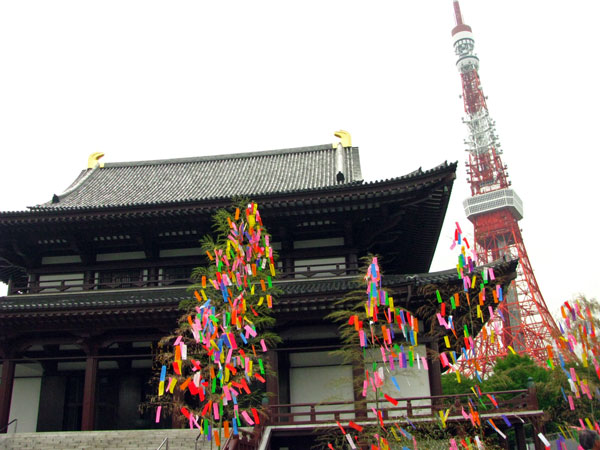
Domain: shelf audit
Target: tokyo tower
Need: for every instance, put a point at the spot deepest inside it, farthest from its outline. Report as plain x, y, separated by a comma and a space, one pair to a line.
494, 208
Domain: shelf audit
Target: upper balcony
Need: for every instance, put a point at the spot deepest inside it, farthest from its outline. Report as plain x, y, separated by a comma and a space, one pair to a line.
166, 277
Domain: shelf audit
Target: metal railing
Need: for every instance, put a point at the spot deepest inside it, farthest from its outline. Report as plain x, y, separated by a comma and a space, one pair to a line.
164, 443
5, 427
75, 283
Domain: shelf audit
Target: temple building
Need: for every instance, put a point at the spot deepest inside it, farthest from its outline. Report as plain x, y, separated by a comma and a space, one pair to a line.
95, 275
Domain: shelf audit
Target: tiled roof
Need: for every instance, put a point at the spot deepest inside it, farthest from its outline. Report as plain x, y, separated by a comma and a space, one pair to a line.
210, 177
291, 290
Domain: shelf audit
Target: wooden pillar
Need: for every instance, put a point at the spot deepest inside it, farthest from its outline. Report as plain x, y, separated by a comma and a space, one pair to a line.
351, 258
88, 279
272, 383
435, 368
6, 388
88, 417
11, 286
285, 254
520, 436
360, 404
272, 378
152, 276
33, 283
537, 428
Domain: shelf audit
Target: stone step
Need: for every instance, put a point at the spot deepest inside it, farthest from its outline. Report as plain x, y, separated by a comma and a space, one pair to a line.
109, 440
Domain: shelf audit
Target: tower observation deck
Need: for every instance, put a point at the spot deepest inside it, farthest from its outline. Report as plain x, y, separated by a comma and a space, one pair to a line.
494, 208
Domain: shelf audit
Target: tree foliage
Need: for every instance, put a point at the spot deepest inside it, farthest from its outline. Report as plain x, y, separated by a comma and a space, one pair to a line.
215, 355
580, 319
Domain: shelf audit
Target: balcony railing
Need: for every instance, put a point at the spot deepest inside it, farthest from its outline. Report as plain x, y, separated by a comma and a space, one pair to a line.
414, 408
516, 406
75, 283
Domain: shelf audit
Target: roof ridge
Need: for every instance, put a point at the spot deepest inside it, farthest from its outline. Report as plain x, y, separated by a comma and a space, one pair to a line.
260, 153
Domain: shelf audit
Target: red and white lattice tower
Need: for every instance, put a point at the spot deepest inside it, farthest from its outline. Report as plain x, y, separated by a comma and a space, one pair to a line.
495, 209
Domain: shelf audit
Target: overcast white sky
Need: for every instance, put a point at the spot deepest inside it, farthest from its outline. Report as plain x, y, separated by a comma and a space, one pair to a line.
146, 80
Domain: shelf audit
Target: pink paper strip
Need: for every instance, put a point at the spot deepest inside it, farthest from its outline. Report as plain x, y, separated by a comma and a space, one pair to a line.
444, 359
250, 331
247, 418
383, 354
158, 414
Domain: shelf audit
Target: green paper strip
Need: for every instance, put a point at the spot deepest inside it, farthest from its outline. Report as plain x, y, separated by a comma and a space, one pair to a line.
439, 296
482, 404
262, 369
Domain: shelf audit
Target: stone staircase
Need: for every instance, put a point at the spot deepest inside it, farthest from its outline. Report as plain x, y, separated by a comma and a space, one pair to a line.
104, 440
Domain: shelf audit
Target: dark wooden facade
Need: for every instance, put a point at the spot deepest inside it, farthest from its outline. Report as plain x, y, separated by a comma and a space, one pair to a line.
92, 287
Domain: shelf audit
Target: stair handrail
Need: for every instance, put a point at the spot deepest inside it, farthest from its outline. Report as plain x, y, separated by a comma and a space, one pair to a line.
164, 442
5, 427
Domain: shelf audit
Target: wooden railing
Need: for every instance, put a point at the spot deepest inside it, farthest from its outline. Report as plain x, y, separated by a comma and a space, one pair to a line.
413, 407
245, 440
319, 271
75, 283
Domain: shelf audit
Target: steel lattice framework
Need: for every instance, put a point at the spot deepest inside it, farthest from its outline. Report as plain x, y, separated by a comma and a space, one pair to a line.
524, 322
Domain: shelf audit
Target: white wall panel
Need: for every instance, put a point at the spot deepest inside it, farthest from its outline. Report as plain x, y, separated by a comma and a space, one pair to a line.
25, 403
319, 383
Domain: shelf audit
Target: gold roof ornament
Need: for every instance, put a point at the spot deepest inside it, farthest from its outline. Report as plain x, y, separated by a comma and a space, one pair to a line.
346, 139
94, 159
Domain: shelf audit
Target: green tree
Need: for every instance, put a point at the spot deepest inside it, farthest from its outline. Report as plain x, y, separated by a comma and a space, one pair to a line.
215, 356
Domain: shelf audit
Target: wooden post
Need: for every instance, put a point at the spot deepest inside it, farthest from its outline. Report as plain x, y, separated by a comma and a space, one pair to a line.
360, 405
520, 435
272, 380
272, 385
88, 416
537, 428
6, 387
434, 373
